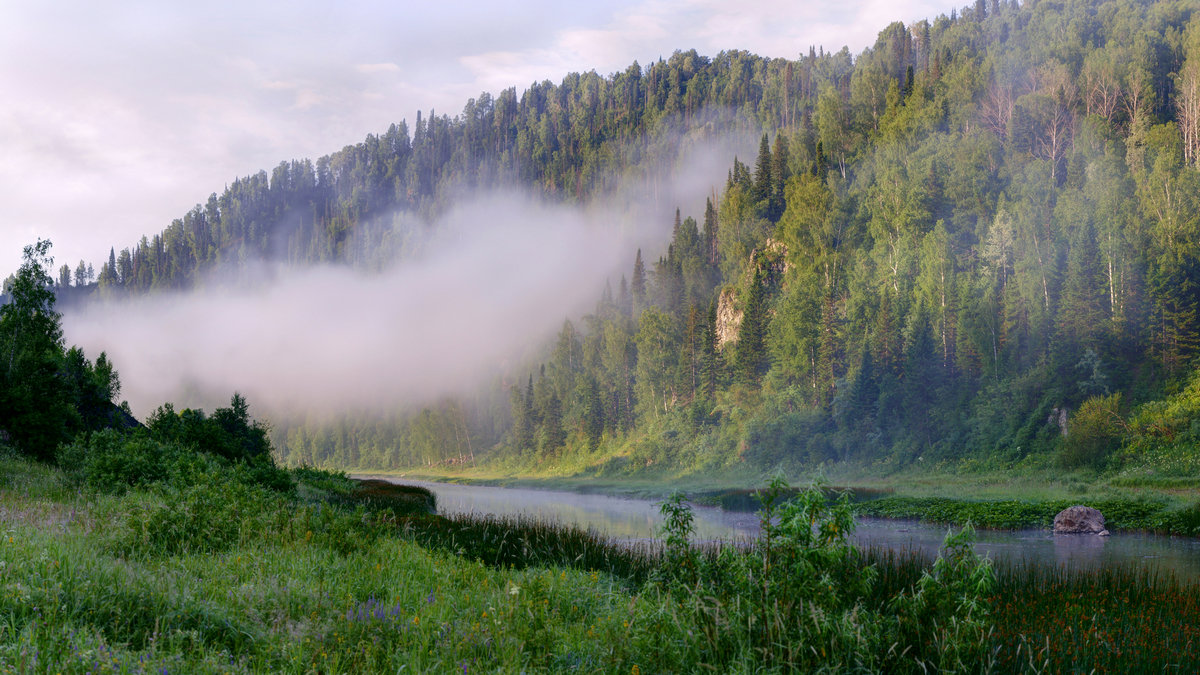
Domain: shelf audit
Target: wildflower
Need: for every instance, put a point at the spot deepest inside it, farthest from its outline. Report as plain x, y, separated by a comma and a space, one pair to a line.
514, 589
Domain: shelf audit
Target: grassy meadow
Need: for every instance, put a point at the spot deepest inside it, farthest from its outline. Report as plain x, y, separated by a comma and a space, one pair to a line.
215, 574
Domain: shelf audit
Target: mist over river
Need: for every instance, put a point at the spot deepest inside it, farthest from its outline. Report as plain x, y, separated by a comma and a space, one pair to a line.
639, 519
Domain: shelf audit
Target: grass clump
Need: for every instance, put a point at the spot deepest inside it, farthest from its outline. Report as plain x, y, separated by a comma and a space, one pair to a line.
802, 599
1112, 620
512, 543
335, 487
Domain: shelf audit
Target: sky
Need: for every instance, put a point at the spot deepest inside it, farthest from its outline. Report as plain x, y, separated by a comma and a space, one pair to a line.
118, 117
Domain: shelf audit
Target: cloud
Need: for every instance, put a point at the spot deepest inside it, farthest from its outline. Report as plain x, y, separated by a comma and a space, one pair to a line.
371, 68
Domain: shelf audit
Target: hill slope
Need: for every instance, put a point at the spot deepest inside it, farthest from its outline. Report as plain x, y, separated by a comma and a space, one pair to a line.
960, 244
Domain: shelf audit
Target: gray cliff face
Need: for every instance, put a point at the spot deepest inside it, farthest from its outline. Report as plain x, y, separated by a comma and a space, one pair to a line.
729, 318
771, 262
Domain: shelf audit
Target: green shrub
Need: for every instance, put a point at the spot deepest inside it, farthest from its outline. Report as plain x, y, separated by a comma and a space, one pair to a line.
1094, 432
798, 438
210, 515
228, 432
261, 470
679, 558
113, 462
947, 616
322, 482
337, 529
803, 599
1184, 520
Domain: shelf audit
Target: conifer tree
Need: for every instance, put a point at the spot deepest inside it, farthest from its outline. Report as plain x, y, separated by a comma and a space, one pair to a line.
710, 356
624, 299
779, 175
1082, 315
593, 412
638, 285
763, 184
710, 233
553, 436
751, 345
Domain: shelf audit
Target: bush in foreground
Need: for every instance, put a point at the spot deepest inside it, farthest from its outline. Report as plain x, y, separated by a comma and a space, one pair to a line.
804, 600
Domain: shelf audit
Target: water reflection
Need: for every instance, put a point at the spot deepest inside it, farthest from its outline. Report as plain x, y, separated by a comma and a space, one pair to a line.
1178, 555
1081, 550
616, 517
638, 519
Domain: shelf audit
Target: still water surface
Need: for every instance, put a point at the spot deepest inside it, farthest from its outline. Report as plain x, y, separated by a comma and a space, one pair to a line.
639, 519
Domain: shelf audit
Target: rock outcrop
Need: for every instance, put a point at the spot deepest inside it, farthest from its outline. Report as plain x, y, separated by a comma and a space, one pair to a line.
1080, 520
729, 318
771, 261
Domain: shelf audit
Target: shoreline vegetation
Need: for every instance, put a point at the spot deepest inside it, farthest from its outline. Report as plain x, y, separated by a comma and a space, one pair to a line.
213, 571
1033, 505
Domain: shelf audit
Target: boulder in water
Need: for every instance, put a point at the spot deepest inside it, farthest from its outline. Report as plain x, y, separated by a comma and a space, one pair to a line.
1080, 520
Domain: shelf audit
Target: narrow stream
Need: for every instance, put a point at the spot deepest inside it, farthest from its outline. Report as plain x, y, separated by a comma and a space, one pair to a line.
636, 519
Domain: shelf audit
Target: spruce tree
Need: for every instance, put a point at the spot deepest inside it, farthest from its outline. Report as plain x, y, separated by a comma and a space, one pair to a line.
779, 176
638, 285
710, 356
751, 346
624, 299
710, 233
1082, 316
593, 413
763, 185
553, 436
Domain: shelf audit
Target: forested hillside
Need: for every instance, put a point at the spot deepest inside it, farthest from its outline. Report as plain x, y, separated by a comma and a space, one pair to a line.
978, 241
366, 204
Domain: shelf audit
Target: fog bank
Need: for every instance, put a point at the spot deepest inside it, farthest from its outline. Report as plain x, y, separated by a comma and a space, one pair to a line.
491, 281
502, 272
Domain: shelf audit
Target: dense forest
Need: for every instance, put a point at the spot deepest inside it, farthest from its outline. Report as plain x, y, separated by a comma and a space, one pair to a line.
977, 242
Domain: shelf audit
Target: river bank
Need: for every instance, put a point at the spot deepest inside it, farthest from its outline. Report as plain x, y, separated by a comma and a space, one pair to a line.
634, 519
985, 500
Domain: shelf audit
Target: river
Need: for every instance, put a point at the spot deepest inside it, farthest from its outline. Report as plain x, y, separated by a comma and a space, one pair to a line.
639, 519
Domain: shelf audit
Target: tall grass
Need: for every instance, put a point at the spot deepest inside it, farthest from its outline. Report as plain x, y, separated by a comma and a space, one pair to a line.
233, 579
516, 543
1111, 620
